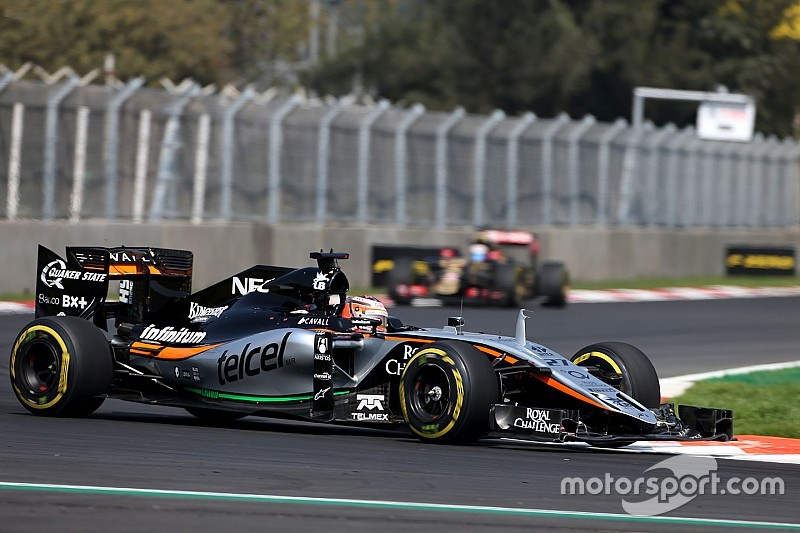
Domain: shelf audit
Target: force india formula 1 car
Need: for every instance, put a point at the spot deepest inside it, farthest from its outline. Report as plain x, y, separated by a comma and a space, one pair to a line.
272, 341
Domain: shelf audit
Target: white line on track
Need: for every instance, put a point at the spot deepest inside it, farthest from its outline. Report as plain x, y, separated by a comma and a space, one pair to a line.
389, 504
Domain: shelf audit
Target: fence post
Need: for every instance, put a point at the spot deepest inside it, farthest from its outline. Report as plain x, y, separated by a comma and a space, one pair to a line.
512, 168
226, 152
678, 145
362, 178
722, 192
689, 195
401, 161
791, 197
140, 172
573, 166
111, 143
651, 197
603, 163
441, 165
169, 148
716, 181
757, 197
12, 192
50, 141
479, 165
547, 167
275, 145
778, 191
79, 165
771, 179
629, 162
323, 155
707, 177
5, 79
200, 168
744, 180
14, 158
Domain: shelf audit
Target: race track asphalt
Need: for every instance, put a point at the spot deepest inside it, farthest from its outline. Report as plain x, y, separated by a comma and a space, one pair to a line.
128, 445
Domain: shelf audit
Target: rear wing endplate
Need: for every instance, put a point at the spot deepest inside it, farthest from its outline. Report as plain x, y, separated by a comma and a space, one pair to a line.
77, 285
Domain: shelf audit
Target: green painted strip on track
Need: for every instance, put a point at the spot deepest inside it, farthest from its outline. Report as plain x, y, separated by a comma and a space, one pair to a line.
207, 393
382, 504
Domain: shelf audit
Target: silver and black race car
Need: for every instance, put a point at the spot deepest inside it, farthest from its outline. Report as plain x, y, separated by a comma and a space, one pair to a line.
274, 341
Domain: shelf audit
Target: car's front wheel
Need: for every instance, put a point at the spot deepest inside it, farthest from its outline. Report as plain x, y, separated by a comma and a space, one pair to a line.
625, 368
446, 393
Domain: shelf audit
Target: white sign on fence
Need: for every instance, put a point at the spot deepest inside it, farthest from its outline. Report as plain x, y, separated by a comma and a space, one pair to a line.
726, 121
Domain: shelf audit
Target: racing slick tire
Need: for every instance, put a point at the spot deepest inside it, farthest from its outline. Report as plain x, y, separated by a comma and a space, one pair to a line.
507, 282
215, 416
401, 274
61, 366
446, 393
624, 367
552, 282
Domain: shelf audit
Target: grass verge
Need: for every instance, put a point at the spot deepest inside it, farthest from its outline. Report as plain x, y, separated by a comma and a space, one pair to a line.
763, 403
16, 296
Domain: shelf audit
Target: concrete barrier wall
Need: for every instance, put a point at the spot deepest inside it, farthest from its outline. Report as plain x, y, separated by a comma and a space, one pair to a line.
223, 249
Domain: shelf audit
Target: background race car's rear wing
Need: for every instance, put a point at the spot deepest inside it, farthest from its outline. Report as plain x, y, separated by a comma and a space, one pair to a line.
513, 238
151, 282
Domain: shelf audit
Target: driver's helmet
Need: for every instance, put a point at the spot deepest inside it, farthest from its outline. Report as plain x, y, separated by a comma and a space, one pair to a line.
364, 307
478, 252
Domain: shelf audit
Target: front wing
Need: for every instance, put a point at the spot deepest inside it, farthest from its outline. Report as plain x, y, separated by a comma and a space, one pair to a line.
559, 425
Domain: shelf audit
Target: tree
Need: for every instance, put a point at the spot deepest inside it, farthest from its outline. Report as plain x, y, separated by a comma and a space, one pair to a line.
547, 56
575, 56
176, 39
269, 40
756, 53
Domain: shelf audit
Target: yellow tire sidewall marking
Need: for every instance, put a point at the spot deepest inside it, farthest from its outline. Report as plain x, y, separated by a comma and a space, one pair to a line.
443, 356
600, 355
63, 371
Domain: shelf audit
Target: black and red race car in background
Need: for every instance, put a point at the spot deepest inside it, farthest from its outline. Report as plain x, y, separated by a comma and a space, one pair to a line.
501, 268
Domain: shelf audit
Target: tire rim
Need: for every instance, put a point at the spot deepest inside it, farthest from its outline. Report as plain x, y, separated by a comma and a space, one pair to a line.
40, 368
430, 398
607, 370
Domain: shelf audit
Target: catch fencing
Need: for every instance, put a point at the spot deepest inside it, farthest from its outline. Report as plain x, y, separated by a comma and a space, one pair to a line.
70, 151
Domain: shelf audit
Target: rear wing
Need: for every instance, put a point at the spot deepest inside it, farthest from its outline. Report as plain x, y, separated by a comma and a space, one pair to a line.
518, 244
513, 238
151, 280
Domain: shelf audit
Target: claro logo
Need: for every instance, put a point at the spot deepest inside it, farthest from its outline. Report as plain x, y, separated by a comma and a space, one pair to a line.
251, 362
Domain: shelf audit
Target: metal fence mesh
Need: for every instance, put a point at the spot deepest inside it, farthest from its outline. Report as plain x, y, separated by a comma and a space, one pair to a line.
296, 161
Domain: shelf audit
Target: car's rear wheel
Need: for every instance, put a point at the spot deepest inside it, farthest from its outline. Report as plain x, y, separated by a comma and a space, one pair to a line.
446, 393
399, 279
61, 366
509, 284
552, 282
625, 368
